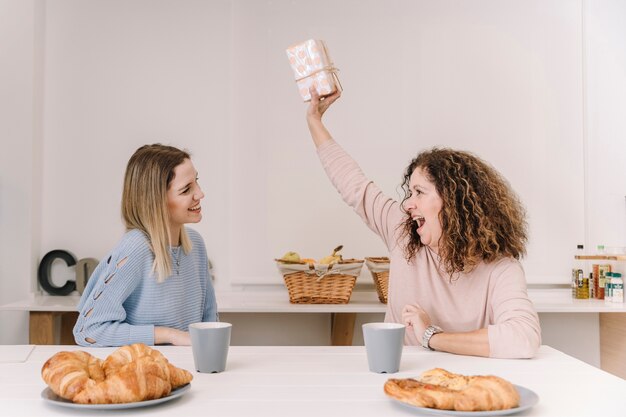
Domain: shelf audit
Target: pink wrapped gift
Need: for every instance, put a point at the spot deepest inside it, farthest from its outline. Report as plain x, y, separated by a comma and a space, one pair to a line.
312, 66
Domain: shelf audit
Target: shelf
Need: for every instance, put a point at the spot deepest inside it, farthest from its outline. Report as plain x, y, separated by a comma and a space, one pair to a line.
556, 300
602, 257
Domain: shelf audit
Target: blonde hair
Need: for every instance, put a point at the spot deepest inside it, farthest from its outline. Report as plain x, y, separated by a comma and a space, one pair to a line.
144, 200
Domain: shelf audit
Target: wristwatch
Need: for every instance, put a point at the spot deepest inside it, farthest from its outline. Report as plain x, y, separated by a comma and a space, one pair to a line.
428, 333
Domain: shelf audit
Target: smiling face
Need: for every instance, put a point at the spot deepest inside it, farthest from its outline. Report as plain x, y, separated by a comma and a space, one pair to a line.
424, 206
183, 198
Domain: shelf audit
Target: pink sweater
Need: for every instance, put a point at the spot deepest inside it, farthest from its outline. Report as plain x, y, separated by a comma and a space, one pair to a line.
492, 296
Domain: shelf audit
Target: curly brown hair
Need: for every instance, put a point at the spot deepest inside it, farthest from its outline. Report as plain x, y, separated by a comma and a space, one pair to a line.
482, 219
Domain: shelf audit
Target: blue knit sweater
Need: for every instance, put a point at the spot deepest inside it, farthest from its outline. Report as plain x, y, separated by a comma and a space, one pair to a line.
122, 304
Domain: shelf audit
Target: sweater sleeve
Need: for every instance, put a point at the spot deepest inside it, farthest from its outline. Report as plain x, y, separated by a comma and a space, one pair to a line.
209, 312
101, 320
379, 212
210, 303
516, 332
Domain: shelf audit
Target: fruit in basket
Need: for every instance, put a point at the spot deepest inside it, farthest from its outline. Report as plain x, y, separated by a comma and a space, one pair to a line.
291, 257
334, 258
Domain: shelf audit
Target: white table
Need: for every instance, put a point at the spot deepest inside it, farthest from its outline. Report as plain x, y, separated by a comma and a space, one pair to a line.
328, 381
15, 353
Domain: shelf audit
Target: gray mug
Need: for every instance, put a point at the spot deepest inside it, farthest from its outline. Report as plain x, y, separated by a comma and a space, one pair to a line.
383, 344
209, 344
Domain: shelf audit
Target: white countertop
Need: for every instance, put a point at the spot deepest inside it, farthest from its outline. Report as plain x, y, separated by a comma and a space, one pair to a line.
277, 301
327, 381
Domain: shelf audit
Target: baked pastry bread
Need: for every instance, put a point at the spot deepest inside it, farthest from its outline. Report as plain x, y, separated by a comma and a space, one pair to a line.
132, 373
68, 373
130, 353
438, 388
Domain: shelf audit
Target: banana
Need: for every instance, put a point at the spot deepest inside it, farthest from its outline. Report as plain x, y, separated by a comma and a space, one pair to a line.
334, 258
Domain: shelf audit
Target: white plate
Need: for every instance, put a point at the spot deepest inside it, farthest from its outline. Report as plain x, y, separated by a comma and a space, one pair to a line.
50, 397
527, 399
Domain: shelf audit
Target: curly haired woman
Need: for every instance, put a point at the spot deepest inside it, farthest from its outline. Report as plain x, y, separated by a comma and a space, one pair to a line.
454, 243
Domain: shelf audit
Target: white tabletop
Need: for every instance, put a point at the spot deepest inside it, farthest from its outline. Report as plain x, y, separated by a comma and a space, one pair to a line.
277, 301
328, 381
15, 353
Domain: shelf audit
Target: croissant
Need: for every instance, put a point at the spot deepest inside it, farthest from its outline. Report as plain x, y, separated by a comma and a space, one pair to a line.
130, 374
68, 373
438, 388
127, 354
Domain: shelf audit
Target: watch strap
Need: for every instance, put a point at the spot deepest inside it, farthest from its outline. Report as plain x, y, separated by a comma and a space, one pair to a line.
428, 333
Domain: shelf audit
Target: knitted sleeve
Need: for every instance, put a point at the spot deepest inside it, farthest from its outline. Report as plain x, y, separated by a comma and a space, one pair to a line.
210, 303
516, 332
209, 312
101, 320
379, 212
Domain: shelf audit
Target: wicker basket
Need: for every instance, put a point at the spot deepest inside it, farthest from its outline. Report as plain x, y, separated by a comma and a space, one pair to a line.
320, 284
379, 267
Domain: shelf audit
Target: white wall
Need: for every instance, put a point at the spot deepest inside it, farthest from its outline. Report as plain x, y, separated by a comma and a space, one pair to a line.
213, 77
605, 122
20, 158
84, 83
502, 79
120, 74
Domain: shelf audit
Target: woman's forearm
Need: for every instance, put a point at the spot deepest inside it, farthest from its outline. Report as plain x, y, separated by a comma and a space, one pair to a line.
475, 343
317, 108
319, 133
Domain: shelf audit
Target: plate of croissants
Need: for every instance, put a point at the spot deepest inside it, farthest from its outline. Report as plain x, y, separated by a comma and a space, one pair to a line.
132, 376
438, 391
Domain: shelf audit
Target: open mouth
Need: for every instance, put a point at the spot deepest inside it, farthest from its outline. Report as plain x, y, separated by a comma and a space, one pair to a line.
419, 220
195, 208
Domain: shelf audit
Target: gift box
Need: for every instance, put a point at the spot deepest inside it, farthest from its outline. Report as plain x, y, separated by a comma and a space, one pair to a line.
312, 66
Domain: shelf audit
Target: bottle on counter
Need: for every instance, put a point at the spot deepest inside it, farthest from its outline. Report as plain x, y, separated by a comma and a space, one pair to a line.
578, 272
607, 288
617, 288
582, 292
601, 279
595, 269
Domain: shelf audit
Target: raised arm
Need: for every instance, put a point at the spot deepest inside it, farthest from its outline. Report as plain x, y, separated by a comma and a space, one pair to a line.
379, 212
317, 108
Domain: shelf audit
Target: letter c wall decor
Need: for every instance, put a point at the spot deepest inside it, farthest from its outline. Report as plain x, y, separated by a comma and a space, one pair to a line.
45, 266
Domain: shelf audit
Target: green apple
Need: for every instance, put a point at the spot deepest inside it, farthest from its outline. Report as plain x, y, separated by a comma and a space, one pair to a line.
291, 257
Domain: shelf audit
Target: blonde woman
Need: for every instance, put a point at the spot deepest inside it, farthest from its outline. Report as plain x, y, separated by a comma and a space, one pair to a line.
454, 242
156, 281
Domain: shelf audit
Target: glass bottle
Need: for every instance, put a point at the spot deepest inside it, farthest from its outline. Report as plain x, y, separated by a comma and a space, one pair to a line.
617, 288
608, 282
578, 272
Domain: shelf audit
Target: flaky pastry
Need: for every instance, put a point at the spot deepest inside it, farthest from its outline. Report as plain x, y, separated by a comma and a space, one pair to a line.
132, 373
438, 388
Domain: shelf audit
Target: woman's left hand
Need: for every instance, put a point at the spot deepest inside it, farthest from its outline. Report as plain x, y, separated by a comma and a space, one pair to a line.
414, 317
